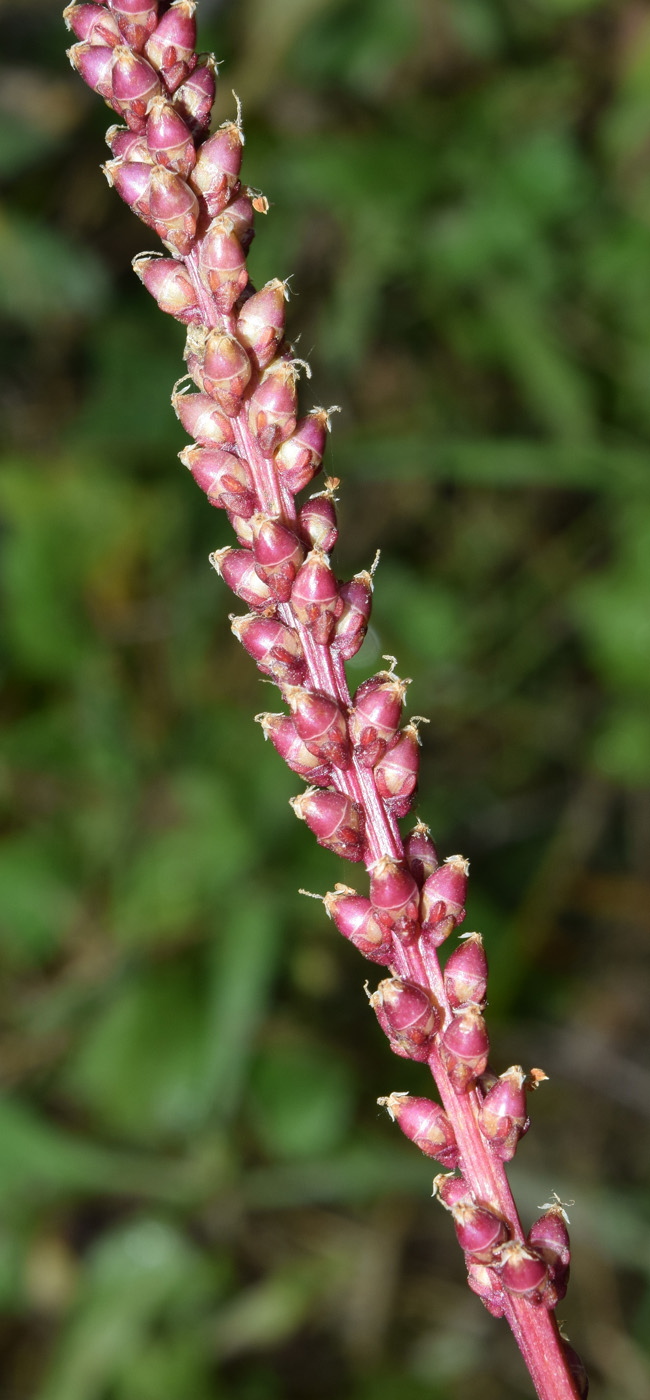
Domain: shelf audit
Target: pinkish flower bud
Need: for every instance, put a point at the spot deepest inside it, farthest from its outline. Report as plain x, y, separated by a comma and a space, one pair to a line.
202, 418
451, 1190
315, 597
195, 97
174, 210
466, 972
168, 138
219, 365
299, 458
171, 46
276, 649
577, 1370
321, 723
278, 555
503, 1117
273, 405
286, 740
420, 852
408, 1016
481, 1281
260, 323
375, 716
216, 173
354, 917
317, 517
128, 145
396, 774
352, 625
225, 478
134, 84
464, 1048
241, 212
170, 285
395, 897
93, 24
132, 180
442, 906
223, 263
550, 1237
137, 20
522, 1271
94, 63
337, 822
479, 1230
426, 1124
237, 569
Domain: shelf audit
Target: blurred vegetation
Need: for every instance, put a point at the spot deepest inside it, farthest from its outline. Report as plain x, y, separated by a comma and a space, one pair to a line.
198, 1197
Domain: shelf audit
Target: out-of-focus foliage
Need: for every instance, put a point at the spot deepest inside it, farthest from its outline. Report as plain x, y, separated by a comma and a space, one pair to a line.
197, 1195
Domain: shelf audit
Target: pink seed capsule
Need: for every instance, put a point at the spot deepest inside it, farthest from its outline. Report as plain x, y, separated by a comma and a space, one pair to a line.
202, 418
577, 1370
278, 555
408, 1016
237, 569
315, 597
219, 365
479, 1231
464, 1048
94, 63
337, 822
354, 917
550, 1237
273, 405
276, 649
451, 1189
168, 138
171, 46
466, 972
522, 1271
503, 1118
216, 174
195, 96
128, 145
420, 852
137, 20
132, 180
395, 897
225, 478
426, 1124
174, 210
442, 906
396, 774
286, 740
222, 263
93, 24
241, 212
260, 323
352, 625
317, 518
170, 285
299, 458
375, 716
321, 723
481, 1281
134, 84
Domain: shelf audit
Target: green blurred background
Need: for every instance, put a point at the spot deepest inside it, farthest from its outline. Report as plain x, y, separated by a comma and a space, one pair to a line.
199, 1199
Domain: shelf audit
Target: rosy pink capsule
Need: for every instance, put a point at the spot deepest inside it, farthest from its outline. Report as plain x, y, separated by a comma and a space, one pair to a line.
464, 1048
219, 365
282, 732
395, 897
426, 1124
241, 212
315, 597
320, 722
337, 822
550, 1237
503, 1118
352, 625
408, 1016
479, 1230
481, 1280
171, 46
174, 210
375, 716
169, 141
170, 285
522, 1271
202, 418
222, 263
276, 649
354, 917
132, 180
237, 569
94, 63
317, 518
278, 555
128, 145
195, 96
466, 972
225, 478
260, 323
134, 84
273, 405
137, 19
442, 906
421, 854
451, 1190
577, 1370
300, 457
396, 774
93, 24
216, 174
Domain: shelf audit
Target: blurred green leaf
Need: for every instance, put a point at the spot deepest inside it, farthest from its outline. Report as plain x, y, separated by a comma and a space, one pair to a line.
302, 1100
44, 276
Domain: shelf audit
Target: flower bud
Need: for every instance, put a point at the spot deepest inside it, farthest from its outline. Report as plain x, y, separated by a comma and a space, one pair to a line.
396, 774
321, 723
282, 732
408, 1016
375, 716
260, 323
395, 897
443, 900
426, 1124
132, 180
225, 478
173, 209
451, 1189
168, 138
195, 96
128, 145
241, 212
171, 46
354, 917
420, 852
170, 285
202, 418
315, 597
276, 649
222, 263
466, 972
522, 1271
481, 1281
317, 517
299, 458
576, 1370
503, 1117
94, 63
237, 568
219, 365
94, 24
464, 1048
351, 628
134, 84
550, 1238
278, 555
337, 822
479, 1230
216, 173
273, 405
137, 20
